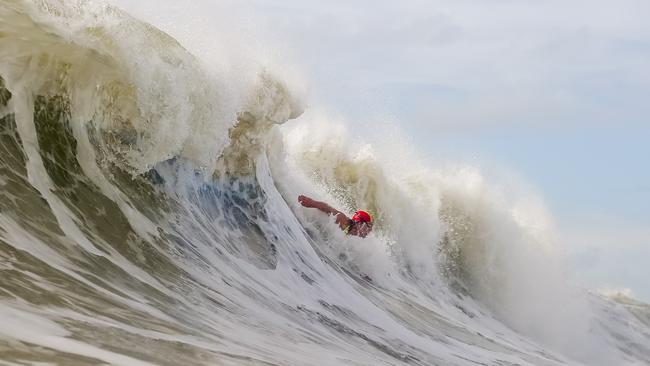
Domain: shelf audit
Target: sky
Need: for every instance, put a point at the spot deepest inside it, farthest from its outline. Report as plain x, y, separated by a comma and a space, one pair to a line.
557, 91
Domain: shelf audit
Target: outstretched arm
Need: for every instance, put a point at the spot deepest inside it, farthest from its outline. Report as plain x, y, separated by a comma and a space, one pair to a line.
312, 203
341, 219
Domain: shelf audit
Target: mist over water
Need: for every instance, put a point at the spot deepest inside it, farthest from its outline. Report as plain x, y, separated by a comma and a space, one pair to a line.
149, 216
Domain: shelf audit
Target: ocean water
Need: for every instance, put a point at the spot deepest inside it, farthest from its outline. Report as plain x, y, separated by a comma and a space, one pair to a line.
149, 216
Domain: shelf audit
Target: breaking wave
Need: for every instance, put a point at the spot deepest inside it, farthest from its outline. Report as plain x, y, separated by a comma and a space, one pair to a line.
148, 215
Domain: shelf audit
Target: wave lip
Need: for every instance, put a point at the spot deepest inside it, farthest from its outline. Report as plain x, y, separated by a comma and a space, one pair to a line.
136, 88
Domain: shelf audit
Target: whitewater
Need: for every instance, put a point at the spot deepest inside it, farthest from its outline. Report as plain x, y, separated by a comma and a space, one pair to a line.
149, 216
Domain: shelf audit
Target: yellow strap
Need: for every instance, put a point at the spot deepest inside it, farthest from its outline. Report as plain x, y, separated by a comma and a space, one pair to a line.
347, 228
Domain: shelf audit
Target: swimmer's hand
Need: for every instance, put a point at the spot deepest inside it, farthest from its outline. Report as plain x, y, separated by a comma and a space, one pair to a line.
306, 201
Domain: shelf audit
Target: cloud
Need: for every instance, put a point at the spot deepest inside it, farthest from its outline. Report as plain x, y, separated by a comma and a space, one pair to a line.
505, 62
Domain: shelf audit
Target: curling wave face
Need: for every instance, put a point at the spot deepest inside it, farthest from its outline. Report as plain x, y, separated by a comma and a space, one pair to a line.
148, 217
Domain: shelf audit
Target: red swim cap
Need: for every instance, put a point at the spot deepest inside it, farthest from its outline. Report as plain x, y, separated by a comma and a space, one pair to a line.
362, 216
